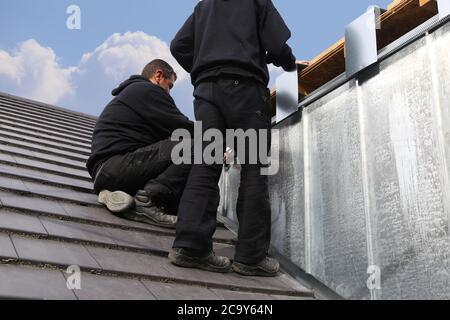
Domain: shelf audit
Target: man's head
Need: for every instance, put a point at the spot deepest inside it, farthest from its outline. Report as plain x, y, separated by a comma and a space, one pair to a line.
160, 73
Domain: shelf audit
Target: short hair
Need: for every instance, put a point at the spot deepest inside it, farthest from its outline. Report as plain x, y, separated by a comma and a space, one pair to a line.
158, 64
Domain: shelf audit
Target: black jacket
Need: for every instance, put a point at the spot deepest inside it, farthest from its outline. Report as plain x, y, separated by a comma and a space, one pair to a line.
141, 114
234, 37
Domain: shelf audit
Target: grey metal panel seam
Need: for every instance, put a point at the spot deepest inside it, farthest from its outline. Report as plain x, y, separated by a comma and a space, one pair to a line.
307, 191
438, 110
365, 182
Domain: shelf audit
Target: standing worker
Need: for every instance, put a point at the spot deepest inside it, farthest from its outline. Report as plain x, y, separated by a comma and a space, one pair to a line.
226, 46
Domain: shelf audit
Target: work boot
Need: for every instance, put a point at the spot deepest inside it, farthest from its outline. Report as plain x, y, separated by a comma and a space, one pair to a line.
148, 212
116, 202
208, 262
267, 268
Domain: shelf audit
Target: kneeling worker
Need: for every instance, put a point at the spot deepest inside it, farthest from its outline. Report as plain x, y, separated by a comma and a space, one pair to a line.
131, 149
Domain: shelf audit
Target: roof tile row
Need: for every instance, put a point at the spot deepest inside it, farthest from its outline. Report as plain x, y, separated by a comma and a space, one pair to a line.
50, 219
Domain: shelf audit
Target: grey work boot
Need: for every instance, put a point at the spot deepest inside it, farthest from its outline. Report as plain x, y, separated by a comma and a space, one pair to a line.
209, 262
267, 268
147, 212
116, 202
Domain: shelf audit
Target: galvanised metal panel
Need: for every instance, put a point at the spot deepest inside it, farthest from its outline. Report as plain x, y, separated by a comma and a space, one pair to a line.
375, 179
338, 252
441, 62
361, 41
286, 194
287, 95
406, 171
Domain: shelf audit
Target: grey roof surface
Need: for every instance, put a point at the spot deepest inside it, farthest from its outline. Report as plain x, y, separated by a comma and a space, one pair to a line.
50, 219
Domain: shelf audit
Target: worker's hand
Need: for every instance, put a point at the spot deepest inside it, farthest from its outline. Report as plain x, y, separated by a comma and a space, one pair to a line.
303, 62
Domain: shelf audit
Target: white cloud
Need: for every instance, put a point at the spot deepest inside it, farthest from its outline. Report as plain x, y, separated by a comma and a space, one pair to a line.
9, 66
118, 57
124, 54
33, 71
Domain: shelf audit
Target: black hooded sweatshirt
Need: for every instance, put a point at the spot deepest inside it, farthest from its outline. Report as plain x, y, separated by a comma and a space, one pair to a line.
140, 115
238, 37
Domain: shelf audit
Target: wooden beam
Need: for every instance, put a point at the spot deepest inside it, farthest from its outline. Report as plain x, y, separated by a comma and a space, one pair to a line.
403, 17
399, 2
394, 3
324, 68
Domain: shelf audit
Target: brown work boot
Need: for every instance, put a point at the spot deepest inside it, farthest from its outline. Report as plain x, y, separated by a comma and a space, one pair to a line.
208, 262
267, 268
148, 212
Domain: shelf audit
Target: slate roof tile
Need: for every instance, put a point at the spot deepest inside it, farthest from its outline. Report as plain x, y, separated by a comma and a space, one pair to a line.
50, 219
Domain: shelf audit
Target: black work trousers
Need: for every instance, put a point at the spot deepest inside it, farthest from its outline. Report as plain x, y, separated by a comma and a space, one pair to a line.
228, 103
150, 169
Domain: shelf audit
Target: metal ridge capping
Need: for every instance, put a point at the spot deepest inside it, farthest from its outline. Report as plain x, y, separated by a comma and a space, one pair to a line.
401, 17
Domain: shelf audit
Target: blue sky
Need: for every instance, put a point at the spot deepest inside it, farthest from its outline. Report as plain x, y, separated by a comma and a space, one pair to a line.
41, 59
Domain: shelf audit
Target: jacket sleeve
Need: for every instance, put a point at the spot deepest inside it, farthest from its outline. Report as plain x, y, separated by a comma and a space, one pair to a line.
274, 35
164, 114
182, 46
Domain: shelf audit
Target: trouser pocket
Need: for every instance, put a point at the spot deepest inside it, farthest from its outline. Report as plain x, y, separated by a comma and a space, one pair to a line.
104, 179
